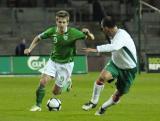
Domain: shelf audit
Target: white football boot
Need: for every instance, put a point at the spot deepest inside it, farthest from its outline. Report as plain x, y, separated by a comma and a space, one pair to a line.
35, 108
88, 106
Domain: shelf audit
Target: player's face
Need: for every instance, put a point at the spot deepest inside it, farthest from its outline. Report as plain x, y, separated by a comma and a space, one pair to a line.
62, 23
107, 31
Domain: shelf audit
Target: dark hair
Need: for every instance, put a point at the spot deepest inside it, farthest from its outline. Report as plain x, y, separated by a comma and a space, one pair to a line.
108, 21
62, 13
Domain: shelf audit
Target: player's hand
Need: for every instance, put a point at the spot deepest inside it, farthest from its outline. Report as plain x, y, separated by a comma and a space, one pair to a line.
87, 50
27, 51
85, 30
89, 35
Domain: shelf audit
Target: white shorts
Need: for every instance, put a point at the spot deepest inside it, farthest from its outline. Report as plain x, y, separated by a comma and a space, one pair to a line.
61, 72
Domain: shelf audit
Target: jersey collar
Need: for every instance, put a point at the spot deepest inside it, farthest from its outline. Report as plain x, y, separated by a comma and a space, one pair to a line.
65, 31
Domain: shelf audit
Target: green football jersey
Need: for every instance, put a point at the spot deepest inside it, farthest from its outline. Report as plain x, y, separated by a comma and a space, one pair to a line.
63, 48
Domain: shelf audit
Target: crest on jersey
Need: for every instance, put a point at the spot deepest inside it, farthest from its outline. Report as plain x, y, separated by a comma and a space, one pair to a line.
65, 37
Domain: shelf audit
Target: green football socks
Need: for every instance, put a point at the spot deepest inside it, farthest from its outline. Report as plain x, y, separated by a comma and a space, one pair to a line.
40, 92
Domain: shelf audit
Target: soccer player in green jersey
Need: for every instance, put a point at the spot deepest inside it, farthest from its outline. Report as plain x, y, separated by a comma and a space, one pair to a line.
60, 64
122, 65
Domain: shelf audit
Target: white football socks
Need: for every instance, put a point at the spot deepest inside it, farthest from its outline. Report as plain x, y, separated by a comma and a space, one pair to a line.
96, 93
109, 103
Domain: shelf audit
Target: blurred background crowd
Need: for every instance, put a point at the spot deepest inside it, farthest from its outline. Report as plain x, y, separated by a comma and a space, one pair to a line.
21, 20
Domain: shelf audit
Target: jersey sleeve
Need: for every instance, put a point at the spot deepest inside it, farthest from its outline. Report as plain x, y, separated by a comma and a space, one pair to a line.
118, 43
46, 34
79, 35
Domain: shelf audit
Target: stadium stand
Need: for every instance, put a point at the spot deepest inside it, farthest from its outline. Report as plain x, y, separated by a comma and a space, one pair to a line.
27, 21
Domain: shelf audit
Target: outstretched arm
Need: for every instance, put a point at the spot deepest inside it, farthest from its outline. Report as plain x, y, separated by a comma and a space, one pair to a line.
89, 35
87, 50
32, 46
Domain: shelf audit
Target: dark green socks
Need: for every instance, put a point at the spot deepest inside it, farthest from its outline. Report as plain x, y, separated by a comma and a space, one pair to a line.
40, 92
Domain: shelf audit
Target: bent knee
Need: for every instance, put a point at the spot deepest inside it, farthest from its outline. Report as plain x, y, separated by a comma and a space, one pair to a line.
56, 92
105, 76
44, 79
100, 81
117, 96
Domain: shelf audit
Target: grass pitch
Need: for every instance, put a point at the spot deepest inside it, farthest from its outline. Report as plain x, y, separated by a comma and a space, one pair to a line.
142, 103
